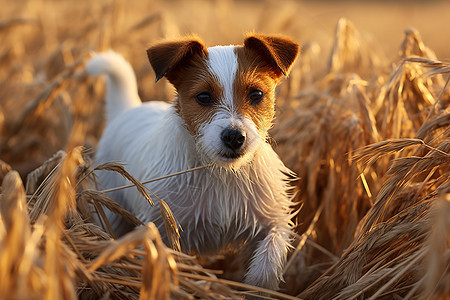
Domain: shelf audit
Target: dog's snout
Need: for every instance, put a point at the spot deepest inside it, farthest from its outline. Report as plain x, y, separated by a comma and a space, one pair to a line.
233, 138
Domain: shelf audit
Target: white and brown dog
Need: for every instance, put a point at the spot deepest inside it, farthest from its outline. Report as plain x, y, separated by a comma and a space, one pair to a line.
223, 109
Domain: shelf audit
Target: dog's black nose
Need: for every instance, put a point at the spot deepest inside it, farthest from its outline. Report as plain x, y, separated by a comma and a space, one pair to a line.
233, 138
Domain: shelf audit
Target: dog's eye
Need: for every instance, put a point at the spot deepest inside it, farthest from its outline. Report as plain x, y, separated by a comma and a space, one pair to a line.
204, 99
256, 96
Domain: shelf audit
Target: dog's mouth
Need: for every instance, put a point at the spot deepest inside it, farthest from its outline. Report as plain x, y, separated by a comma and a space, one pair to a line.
229, 159
231, 155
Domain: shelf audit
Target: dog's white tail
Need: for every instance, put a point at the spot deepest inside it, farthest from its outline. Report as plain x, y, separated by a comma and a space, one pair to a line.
121, 86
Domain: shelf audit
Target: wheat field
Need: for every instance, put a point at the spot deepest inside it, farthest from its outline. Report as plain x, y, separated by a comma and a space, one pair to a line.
363, 120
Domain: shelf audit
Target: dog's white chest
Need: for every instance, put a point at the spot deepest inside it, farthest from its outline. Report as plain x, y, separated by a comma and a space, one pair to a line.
213, 210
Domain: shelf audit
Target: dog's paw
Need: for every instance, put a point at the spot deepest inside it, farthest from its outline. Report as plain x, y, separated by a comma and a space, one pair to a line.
265, 269
266, 266
263, 275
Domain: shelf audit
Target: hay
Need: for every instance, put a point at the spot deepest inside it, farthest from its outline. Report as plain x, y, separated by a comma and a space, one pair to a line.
405, 166
368, 137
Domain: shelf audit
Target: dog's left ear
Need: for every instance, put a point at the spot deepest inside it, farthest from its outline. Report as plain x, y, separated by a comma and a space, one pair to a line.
167, 56
279, 51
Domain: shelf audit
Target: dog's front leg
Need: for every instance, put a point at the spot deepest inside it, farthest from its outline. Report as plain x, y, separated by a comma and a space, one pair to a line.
266, 265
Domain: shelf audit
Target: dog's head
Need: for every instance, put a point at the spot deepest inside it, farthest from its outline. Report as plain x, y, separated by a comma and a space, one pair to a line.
226, 94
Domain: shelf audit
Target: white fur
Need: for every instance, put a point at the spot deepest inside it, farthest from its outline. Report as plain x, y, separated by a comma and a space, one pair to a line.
215, 207
222, 62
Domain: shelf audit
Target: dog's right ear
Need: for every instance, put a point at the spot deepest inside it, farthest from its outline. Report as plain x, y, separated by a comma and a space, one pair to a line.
166, 56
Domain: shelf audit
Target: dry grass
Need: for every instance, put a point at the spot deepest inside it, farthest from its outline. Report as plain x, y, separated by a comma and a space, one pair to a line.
368, 136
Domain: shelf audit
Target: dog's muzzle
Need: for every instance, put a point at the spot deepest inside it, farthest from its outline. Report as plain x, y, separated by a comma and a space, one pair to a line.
233, 140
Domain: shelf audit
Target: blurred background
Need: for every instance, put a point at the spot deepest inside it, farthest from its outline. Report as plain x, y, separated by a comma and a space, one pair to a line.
353, 85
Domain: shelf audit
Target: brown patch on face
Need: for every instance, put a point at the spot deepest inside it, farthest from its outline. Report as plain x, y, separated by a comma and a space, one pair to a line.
255, 74
190, 79
183, 63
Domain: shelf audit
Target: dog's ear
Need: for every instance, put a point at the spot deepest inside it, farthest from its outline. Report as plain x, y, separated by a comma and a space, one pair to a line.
166, 56
278, 51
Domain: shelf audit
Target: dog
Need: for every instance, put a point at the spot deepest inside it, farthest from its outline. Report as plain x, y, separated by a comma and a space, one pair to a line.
223, 109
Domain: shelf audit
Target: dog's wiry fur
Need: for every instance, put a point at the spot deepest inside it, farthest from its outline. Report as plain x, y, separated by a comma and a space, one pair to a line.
244, 196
